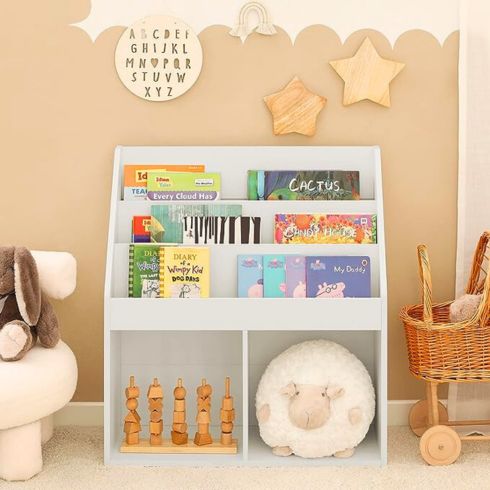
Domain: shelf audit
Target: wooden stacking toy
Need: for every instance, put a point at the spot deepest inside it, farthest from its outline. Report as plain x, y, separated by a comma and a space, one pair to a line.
155, 407
203, 417
179, 427
132, 421
178, 442
227, 415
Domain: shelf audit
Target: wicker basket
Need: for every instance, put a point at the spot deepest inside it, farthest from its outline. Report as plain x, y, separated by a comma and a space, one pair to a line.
441, 351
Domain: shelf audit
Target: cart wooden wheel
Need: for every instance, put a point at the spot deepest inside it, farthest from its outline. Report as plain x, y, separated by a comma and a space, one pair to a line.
418, 418
440, 445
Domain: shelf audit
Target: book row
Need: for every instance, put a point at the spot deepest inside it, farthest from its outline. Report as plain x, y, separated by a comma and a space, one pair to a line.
297, 276
167, 182
157, 271
202, 224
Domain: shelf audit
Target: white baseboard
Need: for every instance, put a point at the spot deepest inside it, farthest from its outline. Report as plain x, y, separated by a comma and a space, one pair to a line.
92, 413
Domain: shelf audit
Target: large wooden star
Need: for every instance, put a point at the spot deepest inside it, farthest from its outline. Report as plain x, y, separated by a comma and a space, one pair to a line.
367, 75
295, 109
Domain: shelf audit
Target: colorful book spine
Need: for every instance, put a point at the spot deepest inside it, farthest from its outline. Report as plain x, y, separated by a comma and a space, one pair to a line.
338, 277
250, 276
143, 281
274, 276
183, 186
136, 176
140, 230
325, 228
166, 219
290, 185
295, 276
212, 229
184, 272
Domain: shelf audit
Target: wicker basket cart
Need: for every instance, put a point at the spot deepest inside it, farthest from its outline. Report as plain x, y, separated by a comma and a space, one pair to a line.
444, 352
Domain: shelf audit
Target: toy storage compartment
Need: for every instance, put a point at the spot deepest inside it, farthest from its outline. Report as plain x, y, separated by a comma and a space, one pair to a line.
169, 355
263, 346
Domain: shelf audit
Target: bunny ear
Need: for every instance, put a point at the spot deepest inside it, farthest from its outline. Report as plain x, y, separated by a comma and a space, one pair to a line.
27, 290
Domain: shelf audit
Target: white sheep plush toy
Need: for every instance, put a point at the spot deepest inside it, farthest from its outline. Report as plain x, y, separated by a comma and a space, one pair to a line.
315, 399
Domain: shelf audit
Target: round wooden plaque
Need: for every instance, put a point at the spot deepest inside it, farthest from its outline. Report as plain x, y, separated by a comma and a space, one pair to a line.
158, 58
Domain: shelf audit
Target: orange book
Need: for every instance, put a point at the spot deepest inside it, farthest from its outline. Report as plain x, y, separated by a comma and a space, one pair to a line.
135, 177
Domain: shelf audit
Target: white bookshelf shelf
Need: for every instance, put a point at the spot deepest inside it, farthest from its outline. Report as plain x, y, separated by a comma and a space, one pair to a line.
225, 335
235, 314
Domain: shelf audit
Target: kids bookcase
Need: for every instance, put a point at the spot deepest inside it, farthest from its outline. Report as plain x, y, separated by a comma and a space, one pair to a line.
228, 336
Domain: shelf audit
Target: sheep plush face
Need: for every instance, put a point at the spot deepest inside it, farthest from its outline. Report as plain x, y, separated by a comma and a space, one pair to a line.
309, 405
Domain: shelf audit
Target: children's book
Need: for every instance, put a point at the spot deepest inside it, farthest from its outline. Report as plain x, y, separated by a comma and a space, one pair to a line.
250, 276
184, 272
274, 276
183, 186
313, 185
140, 230
135, 178
338, 277
214, 229
144, 281
295, 276
166, 219
325, 228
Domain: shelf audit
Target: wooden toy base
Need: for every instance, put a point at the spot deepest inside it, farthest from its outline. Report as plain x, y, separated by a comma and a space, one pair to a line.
168, 447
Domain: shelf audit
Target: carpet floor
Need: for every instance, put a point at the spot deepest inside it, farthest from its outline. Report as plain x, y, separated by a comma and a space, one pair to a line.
73, 460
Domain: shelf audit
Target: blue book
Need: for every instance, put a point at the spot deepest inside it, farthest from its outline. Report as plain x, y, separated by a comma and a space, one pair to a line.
274, 276
250, 276
338, 277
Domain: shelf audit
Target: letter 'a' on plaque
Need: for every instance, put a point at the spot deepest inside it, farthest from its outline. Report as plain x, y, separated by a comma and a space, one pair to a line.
158, 58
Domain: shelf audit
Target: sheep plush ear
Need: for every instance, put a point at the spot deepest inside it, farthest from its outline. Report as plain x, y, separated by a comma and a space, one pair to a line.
334, 392
289, 389
27, 289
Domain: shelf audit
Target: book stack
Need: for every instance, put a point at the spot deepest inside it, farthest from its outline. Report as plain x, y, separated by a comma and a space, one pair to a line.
157, 271
297, 276
136, 178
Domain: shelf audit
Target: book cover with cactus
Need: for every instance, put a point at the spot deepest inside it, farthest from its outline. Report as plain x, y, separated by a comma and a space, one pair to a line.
313, 185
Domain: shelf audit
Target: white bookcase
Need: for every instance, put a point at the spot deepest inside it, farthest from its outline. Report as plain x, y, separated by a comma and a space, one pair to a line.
229, 336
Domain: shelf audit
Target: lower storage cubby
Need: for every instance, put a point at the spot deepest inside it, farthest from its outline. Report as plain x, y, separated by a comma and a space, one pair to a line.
263, 346
213, 355
169, 355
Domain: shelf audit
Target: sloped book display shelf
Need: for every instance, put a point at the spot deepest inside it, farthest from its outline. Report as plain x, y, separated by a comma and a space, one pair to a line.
224, 335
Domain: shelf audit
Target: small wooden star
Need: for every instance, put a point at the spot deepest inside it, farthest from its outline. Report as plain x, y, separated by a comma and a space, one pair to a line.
295, 109
366, 75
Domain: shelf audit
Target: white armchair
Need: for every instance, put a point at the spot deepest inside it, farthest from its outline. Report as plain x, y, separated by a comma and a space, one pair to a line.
38, 385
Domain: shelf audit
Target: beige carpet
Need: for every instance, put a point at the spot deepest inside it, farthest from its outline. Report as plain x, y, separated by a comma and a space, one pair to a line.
73, 460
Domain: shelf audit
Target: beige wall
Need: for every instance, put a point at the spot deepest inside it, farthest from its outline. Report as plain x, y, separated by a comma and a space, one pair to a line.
63, 110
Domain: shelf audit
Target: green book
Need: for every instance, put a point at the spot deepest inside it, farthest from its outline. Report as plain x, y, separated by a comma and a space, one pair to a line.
166, 219
274, 267
144, 271
183, 186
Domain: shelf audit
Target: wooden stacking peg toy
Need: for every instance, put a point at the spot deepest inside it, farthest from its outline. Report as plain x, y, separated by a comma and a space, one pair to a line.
203, 417
179, 427
227, 415
132, 421
155, 407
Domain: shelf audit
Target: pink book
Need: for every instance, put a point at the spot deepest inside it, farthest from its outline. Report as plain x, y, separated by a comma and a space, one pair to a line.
295, 276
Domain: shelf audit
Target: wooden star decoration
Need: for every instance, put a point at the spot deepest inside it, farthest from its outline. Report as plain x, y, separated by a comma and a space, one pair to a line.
366, 75
295, 109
